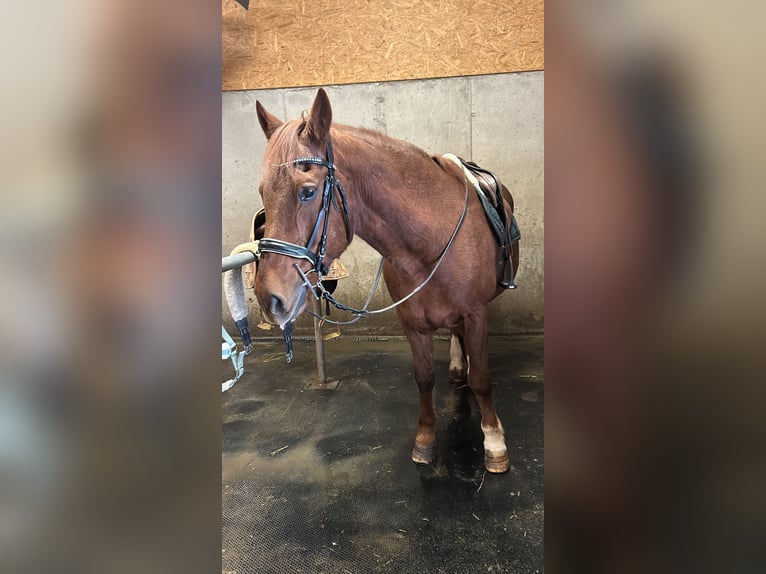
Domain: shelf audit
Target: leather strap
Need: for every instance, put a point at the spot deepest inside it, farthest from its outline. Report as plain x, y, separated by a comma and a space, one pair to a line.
331, 186
285, 248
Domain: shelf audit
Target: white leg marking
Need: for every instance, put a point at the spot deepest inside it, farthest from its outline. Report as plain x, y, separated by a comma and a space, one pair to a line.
455, 354
494, 439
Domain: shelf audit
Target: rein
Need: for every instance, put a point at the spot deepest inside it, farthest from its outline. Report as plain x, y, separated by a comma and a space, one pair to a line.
316, 259
364, 312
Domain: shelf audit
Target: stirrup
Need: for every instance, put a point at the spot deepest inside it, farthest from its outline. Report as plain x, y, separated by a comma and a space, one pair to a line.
509, 283
262, 324
329, 336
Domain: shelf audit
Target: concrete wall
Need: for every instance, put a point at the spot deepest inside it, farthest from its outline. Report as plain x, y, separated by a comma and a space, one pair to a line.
495, 120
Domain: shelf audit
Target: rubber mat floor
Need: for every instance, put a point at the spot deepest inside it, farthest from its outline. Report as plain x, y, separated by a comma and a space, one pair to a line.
322, 481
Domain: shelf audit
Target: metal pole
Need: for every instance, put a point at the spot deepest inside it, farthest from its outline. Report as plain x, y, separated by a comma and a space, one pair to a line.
321, 384
233, 261
321, 377
248, 256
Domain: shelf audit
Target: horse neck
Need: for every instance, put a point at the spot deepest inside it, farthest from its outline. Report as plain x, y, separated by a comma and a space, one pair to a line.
389, 184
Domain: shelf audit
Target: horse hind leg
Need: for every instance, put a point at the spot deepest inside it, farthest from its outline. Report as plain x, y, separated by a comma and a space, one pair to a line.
456, 403
495, 451
458, 371
422, 354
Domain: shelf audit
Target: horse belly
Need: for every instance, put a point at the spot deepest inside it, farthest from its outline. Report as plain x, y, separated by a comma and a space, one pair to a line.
466, 281
434, 308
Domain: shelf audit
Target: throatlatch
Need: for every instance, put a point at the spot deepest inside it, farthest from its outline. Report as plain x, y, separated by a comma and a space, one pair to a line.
331, 185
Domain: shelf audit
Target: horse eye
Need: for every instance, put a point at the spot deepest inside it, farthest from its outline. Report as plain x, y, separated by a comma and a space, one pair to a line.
308, 193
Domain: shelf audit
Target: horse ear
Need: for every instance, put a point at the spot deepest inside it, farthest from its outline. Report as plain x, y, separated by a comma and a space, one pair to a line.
320, 118
269, 123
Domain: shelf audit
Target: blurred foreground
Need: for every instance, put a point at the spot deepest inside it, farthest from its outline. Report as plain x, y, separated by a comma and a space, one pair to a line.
655, 276
109, 408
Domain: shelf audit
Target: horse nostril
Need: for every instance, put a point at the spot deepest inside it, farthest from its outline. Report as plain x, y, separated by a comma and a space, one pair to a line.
277, 305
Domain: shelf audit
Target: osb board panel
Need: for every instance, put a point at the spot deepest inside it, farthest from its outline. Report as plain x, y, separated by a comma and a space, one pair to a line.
287, 43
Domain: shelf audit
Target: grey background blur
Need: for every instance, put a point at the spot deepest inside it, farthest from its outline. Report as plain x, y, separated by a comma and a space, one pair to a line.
495, 120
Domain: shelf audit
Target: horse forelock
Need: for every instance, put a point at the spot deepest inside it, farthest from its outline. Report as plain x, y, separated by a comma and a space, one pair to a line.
282, 148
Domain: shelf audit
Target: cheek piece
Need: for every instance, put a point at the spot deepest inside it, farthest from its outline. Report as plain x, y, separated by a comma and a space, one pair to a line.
332, 192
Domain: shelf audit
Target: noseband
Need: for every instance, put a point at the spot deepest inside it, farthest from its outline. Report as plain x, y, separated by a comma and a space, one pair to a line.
331, 185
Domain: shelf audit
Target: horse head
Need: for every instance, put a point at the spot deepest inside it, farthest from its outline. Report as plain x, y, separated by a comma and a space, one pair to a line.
306, 216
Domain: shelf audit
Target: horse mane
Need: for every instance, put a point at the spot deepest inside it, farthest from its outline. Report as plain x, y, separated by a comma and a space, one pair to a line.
283, 145
379, 140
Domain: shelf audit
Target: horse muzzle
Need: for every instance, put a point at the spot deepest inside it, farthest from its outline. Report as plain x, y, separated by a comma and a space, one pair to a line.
279, 308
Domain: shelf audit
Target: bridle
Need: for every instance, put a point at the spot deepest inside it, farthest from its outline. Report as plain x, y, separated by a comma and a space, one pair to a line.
331, 185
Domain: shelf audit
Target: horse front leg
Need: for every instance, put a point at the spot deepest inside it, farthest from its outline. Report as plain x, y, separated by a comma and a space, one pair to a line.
495, 452
422, 349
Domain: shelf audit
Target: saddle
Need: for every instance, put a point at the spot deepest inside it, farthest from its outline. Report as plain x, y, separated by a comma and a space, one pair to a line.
256, 232
498, 207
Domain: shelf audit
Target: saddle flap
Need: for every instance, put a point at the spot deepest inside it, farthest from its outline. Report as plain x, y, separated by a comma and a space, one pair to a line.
336, 271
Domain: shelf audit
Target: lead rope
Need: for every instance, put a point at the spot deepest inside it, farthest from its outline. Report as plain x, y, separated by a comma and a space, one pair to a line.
364, 312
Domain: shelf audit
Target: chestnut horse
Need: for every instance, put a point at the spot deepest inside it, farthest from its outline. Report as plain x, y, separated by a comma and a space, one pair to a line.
405, 204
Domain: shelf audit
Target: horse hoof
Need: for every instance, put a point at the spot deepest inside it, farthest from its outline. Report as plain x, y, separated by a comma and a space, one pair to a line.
422, 454
496, 463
